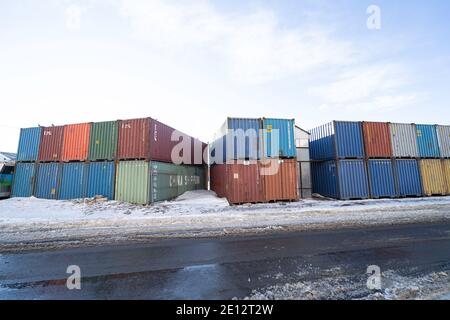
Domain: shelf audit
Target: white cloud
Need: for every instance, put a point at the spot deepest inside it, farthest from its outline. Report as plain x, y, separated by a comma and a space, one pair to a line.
373, 87
254, 46
73, 17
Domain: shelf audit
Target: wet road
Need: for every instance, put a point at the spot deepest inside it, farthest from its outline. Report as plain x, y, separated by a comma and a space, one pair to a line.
222, 268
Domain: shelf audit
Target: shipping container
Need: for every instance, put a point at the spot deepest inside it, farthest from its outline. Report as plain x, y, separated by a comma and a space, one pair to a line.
342, 179
103, 141
337, 140
5, 185
47, 181
407, 177
381, 178
165, 140
443, 133
29, 141
279, 179
403, 140
51, 144
446, 170
101, 179
24, 179
134, 139
73, 182
433, 179
239, 182
427, 141
132, 182
168, 181
76, 142
377, 140
238, 139
278, 138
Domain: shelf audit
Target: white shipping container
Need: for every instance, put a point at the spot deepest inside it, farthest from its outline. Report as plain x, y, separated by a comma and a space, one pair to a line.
443, 133
404, 142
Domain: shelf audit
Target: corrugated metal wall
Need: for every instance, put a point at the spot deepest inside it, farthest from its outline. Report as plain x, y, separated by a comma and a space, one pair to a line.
51, 144
103, 141
377, 140
427, 141
286, 137
403, 138
353, 181
407, 177
337, 140
29, 143
24, 178
381, 178
443, 133
101, 179
433, 179
73, 181
134, 139
47, 181
132, 182
325, 178
280, 180
76, 142
446, 171
251, 148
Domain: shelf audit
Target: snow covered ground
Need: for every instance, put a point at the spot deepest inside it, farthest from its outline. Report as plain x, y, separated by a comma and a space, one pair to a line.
28, 222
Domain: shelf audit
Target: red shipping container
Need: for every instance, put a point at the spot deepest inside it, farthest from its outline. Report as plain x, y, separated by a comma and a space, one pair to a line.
377, 140
280, 179
239, 182
51, 144
76, 142
134, 139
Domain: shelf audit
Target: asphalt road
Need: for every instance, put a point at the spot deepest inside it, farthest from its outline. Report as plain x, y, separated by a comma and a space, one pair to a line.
222, 268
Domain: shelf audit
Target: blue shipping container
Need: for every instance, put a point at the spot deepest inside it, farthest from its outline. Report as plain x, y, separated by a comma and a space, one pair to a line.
427, 141
381, 179
343, 179
407, 178
73, 181
29, 141
23, 183
47, 181
286, 139
101, 179
337, 140
246, 136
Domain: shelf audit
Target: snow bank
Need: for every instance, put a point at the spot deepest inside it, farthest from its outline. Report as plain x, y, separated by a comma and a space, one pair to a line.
29, 219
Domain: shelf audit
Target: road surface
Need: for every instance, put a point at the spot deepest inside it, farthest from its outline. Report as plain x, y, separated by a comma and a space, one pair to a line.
226, 268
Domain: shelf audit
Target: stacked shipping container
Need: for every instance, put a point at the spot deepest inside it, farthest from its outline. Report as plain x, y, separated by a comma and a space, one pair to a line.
254, 160
80, 160
400, 159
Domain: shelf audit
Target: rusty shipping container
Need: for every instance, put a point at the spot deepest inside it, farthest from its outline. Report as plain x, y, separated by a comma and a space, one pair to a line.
433, 179
239, 182
279, 178
51, 144
134, 139
76, 142
377, 140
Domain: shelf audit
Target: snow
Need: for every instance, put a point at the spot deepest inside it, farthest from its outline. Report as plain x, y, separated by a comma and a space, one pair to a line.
336, 286
197, 213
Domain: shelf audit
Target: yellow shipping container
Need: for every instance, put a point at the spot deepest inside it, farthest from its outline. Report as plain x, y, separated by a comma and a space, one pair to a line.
433, 180
446, 168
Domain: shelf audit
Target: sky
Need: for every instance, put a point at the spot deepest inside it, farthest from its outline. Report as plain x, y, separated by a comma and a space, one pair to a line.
192, 63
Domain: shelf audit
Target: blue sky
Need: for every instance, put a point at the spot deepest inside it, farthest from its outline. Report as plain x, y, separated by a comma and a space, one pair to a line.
192, 63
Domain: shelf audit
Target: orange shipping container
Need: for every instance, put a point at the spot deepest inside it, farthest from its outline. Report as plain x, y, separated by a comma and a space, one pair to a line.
377, 140
280, 179
76, 142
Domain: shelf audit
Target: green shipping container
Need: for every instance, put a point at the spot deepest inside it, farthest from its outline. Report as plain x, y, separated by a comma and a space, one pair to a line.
143, 182
103, 141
